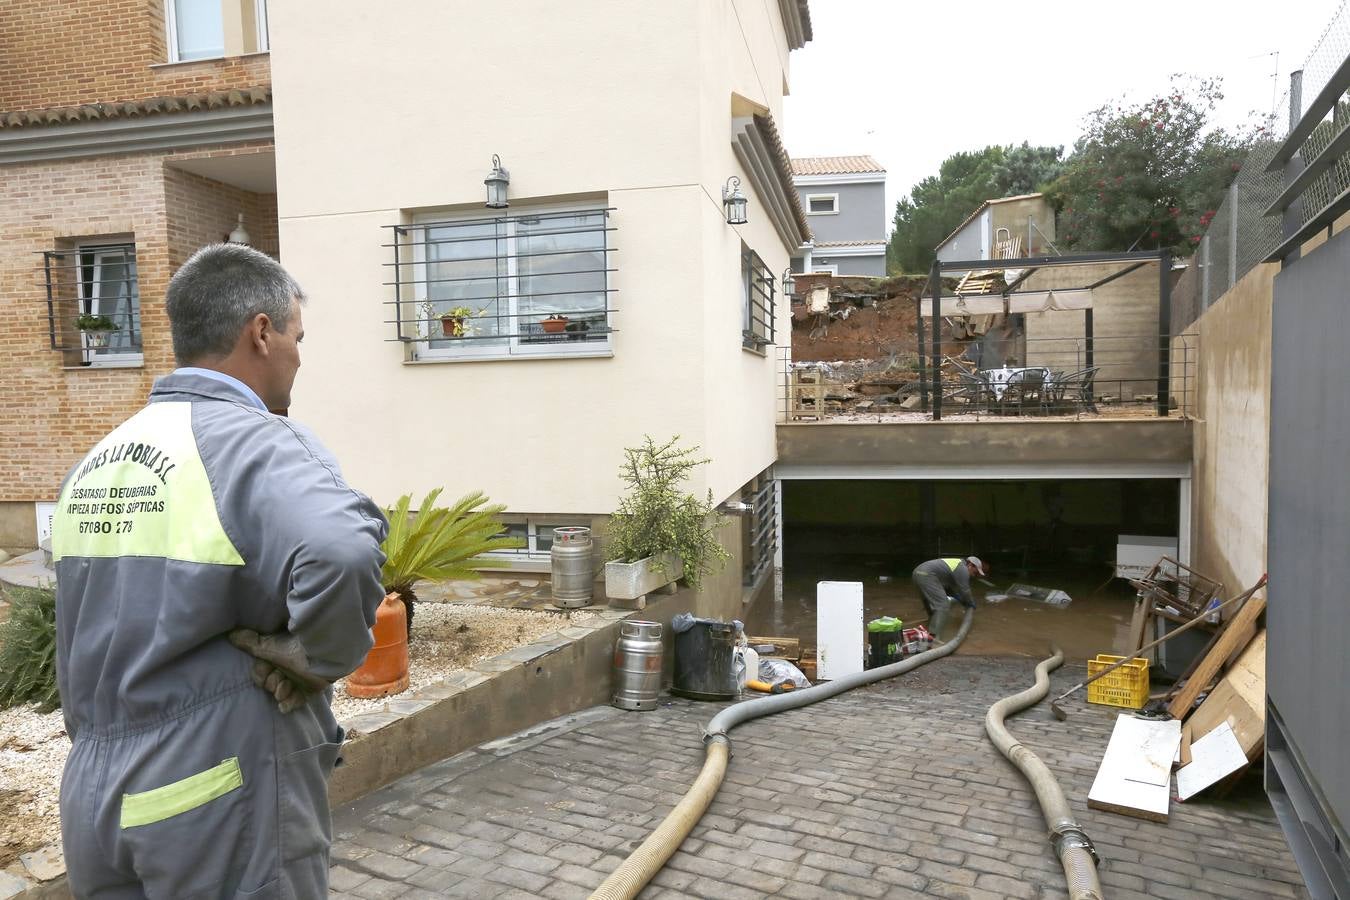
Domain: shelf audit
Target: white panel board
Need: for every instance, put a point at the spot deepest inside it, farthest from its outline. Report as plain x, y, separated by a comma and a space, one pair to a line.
44, 513
1136, 770
1213, 758
839, 629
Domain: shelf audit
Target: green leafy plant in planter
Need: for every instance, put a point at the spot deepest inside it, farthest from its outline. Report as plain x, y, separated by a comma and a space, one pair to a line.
97, 329
440, 543
657, 517
28, 649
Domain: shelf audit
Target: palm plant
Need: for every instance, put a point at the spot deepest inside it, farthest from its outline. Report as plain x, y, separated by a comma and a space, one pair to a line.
28, 650
440, 543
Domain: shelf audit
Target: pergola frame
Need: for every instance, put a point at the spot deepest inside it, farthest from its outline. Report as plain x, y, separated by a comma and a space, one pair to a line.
1128, 262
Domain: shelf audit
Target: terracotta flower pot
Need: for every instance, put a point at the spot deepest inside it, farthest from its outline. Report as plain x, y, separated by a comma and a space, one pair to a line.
555, 326
452, 326
385, 669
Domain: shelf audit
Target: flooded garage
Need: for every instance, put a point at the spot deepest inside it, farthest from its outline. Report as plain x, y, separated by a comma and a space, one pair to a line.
1054, 534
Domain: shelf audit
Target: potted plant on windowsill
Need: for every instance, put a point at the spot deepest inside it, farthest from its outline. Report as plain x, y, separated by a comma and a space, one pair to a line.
97, 330
453, 321
659, 533
555, 324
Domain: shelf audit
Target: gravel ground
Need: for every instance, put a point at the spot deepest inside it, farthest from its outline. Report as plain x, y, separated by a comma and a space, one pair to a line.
33, 750
448, 637
33, 747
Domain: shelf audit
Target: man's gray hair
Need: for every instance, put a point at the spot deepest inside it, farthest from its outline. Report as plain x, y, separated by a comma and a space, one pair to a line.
218, 291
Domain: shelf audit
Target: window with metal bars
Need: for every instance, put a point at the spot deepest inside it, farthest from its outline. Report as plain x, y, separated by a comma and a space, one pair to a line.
762, 521
758, 286
94, 303
529, 284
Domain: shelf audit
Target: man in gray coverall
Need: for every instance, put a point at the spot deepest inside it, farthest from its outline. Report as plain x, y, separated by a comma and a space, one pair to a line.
940, 581
215, 575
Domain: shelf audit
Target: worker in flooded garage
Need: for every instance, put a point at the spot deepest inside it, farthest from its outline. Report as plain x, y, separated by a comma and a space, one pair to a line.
944, 581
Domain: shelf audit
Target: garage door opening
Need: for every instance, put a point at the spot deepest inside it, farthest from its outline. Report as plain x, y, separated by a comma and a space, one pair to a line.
1052, 533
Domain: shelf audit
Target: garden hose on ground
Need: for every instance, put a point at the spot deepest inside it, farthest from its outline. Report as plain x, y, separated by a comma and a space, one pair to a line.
1072, 845
642, 865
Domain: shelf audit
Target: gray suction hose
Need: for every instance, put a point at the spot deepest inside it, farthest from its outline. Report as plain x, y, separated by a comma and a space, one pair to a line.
639, 868
1072, 845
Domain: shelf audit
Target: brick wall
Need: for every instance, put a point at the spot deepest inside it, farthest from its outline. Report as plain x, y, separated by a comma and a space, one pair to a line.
51, 415
85, 51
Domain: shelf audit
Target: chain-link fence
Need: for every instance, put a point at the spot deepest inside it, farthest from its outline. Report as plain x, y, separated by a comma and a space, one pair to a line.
1241, 234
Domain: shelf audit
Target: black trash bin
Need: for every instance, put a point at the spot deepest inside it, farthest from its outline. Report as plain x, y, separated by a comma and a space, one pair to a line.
705, 661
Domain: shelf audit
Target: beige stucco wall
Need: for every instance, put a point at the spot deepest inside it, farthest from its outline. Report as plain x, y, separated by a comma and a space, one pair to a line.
1232, 433
1124, 327
621, 102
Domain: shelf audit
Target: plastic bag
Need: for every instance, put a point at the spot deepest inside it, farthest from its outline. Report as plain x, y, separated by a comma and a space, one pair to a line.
682, 622
776, 671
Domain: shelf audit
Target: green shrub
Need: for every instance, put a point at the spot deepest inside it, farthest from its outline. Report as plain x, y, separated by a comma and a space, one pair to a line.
439, 543
657, 517
28, 649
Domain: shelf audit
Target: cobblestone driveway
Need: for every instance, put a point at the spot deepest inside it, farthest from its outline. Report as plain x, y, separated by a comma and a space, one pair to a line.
888, 791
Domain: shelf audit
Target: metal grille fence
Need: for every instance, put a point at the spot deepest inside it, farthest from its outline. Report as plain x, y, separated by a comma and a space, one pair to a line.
1248, 227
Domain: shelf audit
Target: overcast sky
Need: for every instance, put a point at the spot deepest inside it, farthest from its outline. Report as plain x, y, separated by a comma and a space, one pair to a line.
913, 82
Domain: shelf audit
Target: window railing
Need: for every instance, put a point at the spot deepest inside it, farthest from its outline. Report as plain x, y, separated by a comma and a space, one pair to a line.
97, 283
763, 527
759, 286
534, 283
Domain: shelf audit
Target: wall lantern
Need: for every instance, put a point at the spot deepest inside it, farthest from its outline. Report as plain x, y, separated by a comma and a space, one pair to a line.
240, 234
496, 182
734, 201
789, 284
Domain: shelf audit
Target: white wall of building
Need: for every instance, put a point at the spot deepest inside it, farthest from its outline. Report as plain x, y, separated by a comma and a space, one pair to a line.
386, 111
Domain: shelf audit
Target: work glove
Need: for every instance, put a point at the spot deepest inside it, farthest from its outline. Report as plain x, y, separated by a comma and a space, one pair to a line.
280, 667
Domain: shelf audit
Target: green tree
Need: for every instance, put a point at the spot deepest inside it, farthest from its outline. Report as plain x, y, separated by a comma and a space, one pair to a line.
941, 202
1149, 175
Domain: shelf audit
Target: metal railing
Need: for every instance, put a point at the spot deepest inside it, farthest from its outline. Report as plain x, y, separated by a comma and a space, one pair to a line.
1294, 182
528, 281
1105, 376
760, 289
77, 283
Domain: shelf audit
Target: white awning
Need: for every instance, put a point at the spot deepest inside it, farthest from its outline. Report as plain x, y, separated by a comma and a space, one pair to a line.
1017, 302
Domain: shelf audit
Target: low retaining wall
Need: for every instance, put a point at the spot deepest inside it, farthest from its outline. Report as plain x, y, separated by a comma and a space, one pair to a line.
562, 672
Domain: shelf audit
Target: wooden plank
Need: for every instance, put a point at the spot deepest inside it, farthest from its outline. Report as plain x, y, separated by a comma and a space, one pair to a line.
1238, 633
1135, 773
1184, 751
1135, 639
788, 648
1239, 701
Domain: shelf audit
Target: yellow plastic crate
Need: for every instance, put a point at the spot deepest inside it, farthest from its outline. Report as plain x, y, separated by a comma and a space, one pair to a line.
1125, 687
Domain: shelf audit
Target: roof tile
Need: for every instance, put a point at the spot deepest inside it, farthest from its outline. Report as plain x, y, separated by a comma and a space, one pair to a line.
252, 96
835, 165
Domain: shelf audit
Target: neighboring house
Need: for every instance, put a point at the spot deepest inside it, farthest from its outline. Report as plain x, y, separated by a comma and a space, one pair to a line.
844, 198
620, 126
131, 133
1024, 224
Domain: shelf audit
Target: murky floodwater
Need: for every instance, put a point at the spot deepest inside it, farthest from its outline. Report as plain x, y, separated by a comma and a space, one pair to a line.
1095, 622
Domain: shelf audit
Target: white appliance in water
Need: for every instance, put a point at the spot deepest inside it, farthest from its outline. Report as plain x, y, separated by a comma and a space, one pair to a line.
1136, 554
839, 629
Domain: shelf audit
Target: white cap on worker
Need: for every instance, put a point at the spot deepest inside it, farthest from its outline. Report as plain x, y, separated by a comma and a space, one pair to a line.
975, 561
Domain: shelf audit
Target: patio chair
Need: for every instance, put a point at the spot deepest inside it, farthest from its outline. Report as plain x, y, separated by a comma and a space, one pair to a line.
975, 389
1076, 388
1026, 393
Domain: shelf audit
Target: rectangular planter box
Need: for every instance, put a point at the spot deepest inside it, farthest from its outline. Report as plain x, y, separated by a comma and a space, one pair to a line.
629, 581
